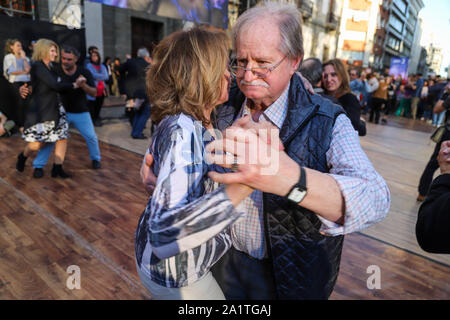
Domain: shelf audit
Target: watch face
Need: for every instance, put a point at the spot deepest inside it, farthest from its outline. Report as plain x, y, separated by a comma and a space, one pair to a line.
297, 195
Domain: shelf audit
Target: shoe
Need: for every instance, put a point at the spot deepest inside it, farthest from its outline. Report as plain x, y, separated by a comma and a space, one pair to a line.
20, 165
57, 170
420, 198
139, 137
96, 164
38, 173
98, 123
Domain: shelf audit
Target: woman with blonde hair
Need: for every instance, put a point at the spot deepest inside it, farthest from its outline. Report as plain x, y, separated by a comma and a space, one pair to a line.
336, 83
45, 120
16, 69
179, 236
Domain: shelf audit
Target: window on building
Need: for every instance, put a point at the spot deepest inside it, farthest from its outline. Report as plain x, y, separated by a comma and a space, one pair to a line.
352, 55
406, 50
393, 42
409, 36
401, 5
412, 18
395, 22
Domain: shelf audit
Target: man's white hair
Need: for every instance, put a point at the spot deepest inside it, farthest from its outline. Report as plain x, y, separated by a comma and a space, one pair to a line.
285, 15
143, 52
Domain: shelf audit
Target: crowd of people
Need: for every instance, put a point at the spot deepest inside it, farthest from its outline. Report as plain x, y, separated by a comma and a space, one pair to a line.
413, 97
48, 90
216, 226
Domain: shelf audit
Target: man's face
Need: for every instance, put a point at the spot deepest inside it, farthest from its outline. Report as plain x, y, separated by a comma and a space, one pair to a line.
68, 60
257, 46
353, 75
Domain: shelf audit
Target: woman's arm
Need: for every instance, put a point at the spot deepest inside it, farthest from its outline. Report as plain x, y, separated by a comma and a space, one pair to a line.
181, 216
42, 73
353, 109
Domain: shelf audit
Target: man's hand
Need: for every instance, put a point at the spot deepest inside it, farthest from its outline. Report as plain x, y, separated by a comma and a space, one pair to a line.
80, 81
25, 91
147, 176
260, 128
260, 163
266, 167
306, 83
444, 157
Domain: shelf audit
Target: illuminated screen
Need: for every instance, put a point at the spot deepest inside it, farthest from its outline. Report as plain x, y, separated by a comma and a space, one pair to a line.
214, 12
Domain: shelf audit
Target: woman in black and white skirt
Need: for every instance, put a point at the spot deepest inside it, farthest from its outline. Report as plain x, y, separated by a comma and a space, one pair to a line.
45, 120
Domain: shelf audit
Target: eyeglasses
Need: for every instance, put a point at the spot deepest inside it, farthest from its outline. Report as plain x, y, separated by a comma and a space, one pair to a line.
260, 72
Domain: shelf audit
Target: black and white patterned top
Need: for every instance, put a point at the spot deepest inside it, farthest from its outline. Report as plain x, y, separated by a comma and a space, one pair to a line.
184, 229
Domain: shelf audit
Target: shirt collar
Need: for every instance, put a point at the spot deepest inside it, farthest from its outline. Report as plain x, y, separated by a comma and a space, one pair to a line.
275, 113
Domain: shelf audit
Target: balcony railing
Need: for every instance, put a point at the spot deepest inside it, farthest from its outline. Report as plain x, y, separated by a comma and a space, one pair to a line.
332, 21
18, 8
306, 8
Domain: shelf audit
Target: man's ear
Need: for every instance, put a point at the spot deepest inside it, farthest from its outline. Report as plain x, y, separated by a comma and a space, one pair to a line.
295, 63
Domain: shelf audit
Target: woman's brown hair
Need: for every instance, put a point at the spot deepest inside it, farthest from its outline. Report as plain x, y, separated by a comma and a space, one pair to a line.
341, 72
187, 73
8, 44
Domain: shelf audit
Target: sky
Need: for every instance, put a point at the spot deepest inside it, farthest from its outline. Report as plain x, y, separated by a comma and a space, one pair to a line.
436, 27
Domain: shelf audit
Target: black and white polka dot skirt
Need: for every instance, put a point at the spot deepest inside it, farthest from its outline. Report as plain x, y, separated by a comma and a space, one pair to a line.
48, 131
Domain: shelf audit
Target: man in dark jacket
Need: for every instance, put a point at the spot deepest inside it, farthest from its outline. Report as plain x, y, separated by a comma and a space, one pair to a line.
427, 176
133, 72
322, 186
433, 221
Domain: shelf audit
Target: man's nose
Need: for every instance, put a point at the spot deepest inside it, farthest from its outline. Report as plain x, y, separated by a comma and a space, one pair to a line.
248, 73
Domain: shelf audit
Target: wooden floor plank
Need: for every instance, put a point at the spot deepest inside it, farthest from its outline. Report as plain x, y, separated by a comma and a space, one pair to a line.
49, 224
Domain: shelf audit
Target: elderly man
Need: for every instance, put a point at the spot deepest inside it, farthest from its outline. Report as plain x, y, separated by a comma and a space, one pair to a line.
288, 244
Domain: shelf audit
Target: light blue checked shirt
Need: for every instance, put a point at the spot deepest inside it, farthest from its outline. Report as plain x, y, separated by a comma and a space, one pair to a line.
366, 195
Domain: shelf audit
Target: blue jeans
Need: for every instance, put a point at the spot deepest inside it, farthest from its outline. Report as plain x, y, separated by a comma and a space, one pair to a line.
83, 123
438, 118
139, 120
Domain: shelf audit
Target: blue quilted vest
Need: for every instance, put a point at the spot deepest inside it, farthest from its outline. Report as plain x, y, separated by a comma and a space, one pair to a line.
305, 263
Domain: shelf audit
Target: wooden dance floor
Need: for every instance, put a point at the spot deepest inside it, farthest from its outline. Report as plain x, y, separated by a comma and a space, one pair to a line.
48, 225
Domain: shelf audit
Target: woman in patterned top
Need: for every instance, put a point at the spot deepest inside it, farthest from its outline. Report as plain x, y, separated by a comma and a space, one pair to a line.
179, 236
45, 120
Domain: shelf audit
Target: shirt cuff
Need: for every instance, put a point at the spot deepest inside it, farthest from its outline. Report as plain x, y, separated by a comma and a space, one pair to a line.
362, 210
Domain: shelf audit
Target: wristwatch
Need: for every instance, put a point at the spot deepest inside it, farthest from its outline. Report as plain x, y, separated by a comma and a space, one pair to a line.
299, 190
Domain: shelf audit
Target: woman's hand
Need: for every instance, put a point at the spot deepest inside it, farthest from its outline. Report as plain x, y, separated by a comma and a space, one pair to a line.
147, 176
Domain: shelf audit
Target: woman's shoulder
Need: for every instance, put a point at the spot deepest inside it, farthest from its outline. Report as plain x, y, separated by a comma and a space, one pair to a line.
178, 134
348, 98
9, 56
181, 124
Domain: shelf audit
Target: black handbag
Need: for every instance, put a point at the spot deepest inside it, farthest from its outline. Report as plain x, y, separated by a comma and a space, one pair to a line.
438, 133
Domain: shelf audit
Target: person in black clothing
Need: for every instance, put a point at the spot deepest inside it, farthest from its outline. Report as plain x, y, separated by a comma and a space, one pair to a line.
46, 121
432, 165
134, 72
433, 221
75, 103
337, 84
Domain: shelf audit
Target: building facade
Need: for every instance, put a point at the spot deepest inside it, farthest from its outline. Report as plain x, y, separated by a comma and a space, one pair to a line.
434, 59
357, 32
321, 20
402, 32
